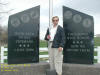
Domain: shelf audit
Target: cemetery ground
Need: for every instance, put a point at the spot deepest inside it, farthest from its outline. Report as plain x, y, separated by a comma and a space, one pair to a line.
43, 44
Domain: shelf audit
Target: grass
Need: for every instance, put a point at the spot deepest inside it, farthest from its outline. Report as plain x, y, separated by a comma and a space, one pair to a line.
5, 53
97, 41
5, 60
95, 53
44, 59
95, 60
43, 43
43, 53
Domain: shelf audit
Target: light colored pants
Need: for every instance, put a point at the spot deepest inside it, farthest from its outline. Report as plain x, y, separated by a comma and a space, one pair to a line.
55, 59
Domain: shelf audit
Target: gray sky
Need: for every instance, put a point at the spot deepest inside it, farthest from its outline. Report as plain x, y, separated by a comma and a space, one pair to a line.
90, 7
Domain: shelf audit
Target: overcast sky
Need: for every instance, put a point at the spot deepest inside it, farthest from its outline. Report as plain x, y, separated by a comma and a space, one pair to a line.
90, 7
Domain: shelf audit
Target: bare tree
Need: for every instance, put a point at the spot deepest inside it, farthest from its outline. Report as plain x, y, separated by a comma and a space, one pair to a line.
4, 29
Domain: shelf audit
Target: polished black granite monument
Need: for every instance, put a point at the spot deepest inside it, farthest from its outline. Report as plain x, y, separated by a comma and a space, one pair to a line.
79, 31
23, 36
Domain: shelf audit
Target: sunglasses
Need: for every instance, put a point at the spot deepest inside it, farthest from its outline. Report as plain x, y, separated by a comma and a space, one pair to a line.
54, 20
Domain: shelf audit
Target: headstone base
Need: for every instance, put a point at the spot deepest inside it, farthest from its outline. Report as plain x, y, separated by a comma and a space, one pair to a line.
41, 68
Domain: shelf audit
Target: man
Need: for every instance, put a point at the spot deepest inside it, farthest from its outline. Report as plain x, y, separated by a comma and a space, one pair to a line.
56, 38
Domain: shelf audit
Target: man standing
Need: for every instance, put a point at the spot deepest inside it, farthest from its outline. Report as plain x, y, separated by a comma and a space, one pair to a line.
56, 40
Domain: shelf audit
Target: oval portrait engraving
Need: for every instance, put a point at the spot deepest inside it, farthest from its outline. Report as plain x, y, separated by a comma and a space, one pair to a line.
15, 22
68, 14
87, 22
77, 18
25, 18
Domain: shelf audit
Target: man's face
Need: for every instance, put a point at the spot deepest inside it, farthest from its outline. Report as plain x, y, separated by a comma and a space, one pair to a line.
55, 21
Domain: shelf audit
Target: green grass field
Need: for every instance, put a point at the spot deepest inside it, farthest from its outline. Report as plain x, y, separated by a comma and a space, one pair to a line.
97, 41
43, 43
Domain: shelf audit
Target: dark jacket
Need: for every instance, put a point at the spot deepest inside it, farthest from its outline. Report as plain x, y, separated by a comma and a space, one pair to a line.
59, 38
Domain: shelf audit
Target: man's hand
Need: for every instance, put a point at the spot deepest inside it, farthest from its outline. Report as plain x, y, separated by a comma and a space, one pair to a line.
48, 37
60, 49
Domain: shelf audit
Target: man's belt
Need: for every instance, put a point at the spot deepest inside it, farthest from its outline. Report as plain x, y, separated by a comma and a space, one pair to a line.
50, 41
